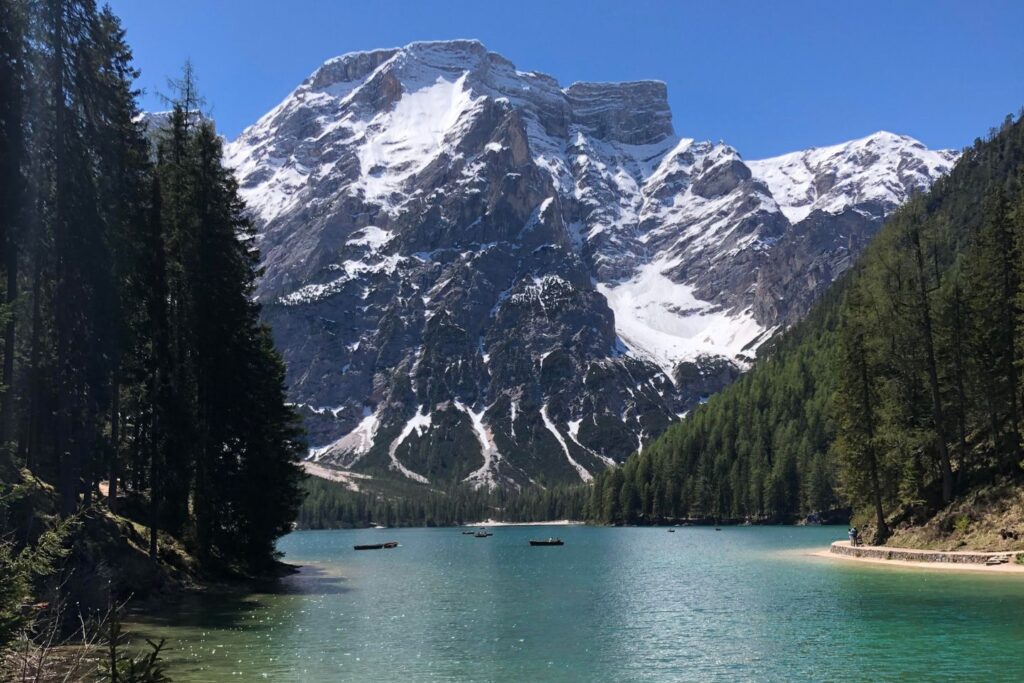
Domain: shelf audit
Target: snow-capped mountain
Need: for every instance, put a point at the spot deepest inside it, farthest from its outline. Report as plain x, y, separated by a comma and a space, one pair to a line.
475, 274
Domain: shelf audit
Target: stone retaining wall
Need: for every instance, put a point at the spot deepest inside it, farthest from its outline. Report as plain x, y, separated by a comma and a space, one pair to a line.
911, 555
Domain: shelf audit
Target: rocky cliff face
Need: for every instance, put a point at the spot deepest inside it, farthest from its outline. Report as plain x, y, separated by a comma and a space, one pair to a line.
477, 275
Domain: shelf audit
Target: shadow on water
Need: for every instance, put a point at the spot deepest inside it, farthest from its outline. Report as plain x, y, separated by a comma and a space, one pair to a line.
309, 580
232, 609
223, 610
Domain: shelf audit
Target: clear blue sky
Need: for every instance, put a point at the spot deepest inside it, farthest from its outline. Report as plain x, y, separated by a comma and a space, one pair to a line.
767, 76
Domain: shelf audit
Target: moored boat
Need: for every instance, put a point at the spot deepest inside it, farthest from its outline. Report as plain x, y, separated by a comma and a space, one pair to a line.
369, 546
483, 533
550, 541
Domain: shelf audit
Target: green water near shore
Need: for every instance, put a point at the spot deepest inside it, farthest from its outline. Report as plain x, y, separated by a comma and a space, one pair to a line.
612, 604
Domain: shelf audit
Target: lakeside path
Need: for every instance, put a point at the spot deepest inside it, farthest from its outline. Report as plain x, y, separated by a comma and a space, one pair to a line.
956, 561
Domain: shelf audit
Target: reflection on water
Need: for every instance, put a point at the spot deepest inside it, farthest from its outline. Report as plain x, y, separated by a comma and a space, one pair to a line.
612, 604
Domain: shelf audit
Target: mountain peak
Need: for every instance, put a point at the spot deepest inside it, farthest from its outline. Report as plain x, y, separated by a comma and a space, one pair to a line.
458, 45
441, 54
878, 171
475, 274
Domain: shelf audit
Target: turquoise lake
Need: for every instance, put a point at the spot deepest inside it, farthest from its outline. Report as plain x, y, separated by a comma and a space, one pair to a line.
612, 604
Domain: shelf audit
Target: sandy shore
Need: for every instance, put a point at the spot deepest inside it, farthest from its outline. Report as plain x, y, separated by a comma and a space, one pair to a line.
492, 522
943, 561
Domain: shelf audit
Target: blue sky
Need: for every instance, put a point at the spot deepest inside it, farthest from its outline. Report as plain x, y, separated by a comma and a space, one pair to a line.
766, 76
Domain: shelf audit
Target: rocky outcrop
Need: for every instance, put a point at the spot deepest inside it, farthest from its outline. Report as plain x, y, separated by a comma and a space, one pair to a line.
630, 113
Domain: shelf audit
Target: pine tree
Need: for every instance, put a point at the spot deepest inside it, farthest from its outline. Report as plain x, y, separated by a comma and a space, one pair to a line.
123, 176
83, 275
220, 408
13, 83
129, 274
994, 285
856, 445
923, 288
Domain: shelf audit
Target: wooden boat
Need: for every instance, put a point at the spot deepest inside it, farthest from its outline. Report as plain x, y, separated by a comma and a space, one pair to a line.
376, 546
550, 541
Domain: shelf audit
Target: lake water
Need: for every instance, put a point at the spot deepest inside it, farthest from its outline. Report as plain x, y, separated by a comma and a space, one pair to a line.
612, 604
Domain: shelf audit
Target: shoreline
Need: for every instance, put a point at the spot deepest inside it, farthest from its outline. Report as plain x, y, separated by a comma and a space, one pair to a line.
908, 558
495, 523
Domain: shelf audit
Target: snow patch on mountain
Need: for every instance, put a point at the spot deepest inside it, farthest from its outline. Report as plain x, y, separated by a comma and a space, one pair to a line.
484, 476
346, 478
550, 426
877, 168
397, 144
350, 448
662, 321
420, 422
574, 434
352, 269
371, 237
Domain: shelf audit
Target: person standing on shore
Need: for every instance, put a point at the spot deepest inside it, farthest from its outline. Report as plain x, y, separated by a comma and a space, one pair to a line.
854, 536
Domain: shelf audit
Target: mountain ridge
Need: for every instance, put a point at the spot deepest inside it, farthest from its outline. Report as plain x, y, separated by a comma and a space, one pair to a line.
840, 413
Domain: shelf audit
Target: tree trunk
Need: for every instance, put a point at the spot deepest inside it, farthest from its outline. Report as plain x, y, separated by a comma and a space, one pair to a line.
961, 392
138, 456
115, 442
64, 442
154, 502
1010, 328
882, 529
933, 372
10, 329
29, 438
12, 202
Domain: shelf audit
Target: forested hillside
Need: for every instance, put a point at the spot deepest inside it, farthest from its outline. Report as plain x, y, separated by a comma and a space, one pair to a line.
136, 376
329, 505
901, 389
